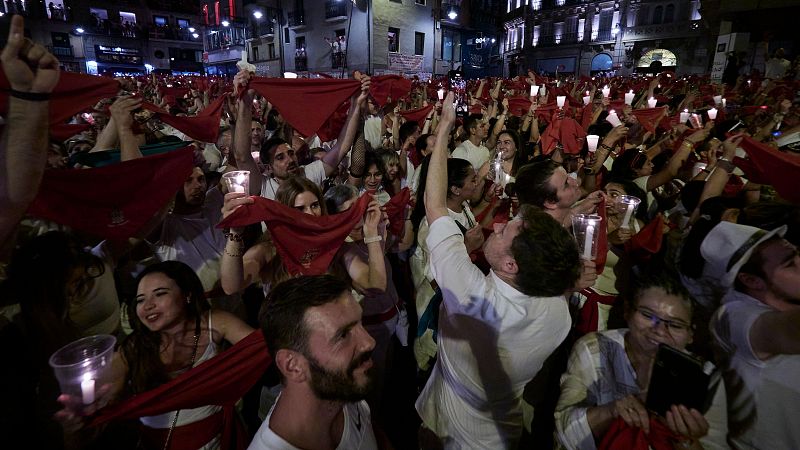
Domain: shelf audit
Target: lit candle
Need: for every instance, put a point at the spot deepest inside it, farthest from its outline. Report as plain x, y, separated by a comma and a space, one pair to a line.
586, 100
560, 100
651, 102
440, 93
534, 90
748, 83
629, 97
87, 389
628, 213
497, 168
587, 243
684, 116
712, 113
724, 103
613, 119
591, 142
606, 91
505, 179
542, 91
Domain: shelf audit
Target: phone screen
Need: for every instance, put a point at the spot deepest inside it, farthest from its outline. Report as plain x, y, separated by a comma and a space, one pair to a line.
458, 85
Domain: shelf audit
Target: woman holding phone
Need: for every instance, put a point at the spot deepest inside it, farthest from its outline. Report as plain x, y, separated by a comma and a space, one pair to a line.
609, 372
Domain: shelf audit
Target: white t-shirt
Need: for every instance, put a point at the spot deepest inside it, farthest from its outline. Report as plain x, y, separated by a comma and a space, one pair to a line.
776, 68
476, 155
314, 172
492, 340
357, 433
195, 240
763, 396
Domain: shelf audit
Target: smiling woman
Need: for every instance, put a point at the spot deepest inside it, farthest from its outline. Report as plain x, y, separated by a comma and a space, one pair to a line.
609, 372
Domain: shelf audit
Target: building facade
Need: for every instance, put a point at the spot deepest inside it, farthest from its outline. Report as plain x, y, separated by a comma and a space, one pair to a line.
619, 36
123, 37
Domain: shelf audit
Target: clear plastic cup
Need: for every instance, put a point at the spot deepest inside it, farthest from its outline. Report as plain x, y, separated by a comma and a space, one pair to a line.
237, 181
83, 366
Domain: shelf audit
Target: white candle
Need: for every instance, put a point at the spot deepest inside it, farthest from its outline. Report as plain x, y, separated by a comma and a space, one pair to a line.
628, 213
534, 90
586, 100
606, 91
587, 243
440, 93
717, 99
505, 179
651, 102
87, 389
629, 97
613, 119
542, 91
724, 103
560, 100
591, 142
497, 168
712, 113
684, 116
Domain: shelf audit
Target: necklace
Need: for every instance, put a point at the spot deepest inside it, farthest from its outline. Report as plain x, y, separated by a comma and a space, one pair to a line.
191, 364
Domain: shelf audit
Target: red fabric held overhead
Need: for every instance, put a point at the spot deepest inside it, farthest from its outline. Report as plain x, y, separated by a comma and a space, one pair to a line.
113, 202
396, 210
306, 243
783, 168
203, 127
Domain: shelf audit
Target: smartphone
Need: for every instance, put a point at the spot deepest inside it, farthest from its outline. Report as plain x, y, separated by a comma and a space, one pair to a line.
678, 378
458, 85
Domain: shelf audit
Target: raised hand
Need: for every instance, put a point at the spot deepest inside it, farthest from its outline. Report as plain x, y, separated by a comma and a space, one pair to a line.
29, 67
122, 110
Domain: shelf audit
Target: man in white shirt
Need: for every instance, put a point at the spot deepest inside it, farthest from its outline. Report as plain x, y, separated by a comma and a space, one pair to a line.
495, 331
757, 332
472, 149
312, 326
277, 155
776, 66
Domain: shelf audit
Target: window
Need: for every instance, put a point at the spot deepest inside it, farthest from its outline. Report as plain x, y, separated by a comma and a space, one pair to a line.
300, 43
183, 23
271, 50
419, 43
394, 39
127, 17
419, 2
669, 13
160, 21
55, 10
286, 39
451, 45
657, 14
340, 33
255, 53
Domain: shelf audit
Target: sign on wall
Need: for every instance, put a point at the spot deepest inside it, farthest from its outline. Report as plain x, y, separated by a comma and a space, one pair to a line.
405, 63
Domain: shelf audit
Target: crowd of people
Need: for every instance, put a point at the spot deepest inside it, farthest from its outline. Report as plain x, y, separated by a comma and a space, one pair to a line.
395, 273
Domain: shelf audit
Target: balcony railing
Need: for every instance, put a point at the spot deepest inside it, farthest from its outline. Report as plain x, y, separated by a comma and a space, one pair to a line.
338, 60
109, 28
335, 10
301, 63
171, 33
297, 19
567, 38
605, 35
61, 52
262, 29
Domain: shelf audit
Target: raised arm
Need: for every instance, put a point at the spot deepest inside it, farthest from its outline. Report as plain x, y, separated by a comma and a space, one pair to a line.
241, 134
436, 182
679, 158
122, 115
370, 275
32, 74
349, 131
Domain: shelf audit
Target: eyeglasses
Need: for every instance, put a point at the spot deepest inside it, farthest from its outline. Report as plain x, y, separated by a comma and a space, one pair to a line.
672, 325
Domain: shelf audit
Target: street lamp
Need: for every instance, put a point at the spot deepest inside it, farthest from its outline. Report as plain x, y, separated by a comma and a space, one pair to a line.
452, 13
258, 14
79, 30
225, 23
191, 29
195, 35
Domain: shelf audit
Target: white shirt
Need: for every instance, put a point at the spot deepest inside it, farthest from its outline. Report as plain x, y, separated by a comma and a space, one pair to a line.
776, 68
357, 433
476, 155
195, 240
315, 172
763, 396
493, 339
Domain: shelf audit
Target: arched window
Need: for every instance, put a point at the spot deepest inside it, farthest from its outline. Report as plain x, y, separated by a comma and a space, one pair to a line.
669, 13
658, 14
601, 62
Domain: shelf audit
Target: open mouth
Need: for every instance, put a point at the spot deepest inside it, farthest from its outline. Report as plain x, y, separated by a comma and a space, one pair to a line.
152, 317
